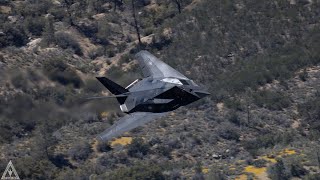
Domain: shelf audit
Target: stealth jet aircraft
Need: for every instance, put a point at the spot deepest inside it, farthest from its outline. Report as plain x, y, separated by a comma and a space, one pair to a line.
162, 89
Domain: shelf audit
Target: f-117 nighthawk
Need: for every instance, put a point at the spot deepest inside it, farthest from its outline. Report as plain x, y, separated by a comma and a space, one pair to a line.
161, 90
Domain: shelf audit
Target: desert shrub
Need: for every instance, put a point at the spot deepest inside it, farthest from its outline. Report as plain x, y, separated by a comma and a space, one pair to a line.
88, 28
94, 53
7, 130
81, 151
268, 140
216, 174
58, 13
103, 33
304, 75
60, 161
148, 31
114, 72
121, 46
272, 100
5, 2
174, 143
66, 40
14, 35
234, 104
164, 150
154, 140
34, 25
22, 114
110, 52
259, 163
138, 171
235, 119
26, 166
34, 8
198, 172
278, 171
310, 110
103, 147
125, 58
58, 71
297, 169
138, 148
19, 81
229, 132
107, 161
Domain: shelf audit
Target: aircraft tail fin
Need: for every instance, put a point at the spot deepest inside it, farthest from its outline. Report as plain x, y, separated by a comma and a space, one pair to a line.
114, 88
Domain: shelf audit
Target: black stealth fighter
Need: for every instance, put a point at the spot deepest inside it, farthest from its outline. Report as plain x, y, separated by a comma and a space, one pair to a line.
161, 90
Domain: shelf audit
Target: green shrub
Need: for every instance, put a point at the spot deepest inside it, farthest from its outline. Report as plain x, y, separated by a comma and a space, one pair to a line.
235, 119
310, 110
278, 171
80, 151
19, 81
34, 8
229, 132
272, 100
103, 147
35, 25
103, 34
138, 148
268, 140
125, 58
66, 40
14, 35
297, 169
259, 163
94, 53
304, 75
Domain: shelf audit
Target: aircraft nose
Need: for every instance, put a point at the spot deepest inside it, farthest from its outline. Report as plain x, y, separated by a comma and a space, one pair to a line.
202, 94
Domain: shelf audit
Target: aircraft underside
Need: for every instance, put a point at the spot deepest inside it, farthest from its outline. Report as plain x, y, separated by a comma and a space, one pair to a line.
175, 98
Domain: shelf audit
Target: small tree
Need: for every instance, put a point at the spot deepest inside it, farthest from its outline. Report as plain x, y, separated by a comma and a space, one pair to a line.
48, 34
136, 25
178, 3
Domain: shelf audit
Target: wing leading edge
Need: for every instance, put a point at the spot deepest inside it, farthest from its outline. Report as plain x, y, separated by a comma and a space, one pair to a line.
128, 123
151, 66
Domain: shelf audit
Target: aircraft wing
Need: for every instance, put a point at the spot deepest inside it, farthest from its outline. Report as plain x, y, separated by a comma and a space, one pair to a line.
151, 66
128, 123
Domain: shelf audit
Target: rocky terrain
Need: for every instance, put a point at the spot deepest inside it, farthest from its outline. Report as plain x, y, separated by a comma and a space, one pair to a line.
259, 60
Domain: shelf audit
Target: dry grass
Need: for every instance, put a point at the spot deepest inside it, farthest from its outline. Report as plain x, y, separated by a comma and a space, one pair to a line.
205, 170
261, 173
269, 159
255, 170
242, 177
287, 152
121, 141
5, 9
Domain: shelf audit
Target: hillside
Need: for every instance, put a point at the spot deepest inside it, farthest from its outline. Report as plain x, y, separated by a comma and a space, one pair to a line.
259, 60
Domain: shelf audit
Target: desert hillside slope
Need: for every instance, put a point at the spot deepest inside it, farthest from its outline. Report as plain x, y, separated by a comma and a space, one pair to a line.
259, 60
